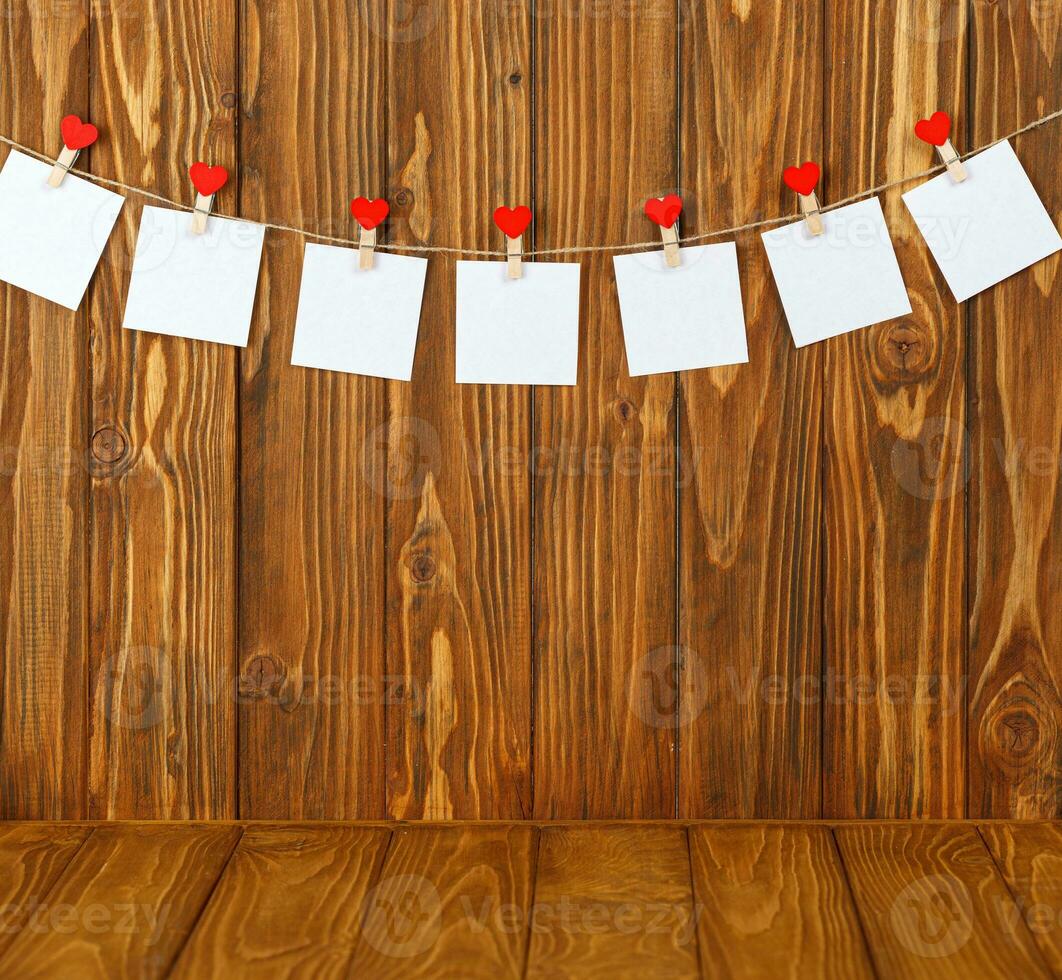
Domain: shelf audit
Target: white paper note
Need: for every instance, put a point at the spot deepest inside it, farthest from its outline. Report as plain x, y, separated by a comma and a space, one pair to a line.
51, 238
685, 318
196, 286
358, 321
843, 280
518, 331
988, 227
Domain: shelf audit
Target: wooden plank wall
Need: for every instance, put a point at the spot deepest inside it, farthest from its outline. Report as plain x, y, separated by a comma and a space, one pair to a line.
312, 136
44, 484
161, 540
822, 584
894, 542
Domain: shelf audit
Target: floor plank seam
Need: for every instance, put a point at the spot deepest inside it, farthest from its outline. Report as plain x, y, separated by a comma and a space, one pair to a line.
695, 911
1016, 900
374, 882
855, 905
168, 969
50, 890
534, 898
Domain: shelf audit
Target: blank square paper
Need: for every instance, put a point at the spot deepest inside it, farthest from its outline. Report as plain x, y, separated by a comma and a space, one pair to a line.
361, 321
837, 282
986, 228
51, 238
196, 286
685, 318
518, 331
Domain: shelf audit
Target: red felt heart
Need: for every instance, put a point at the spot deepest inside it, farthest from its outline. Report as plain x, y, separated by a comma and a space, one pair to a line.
802, 179
368, 213
208, 180
513, 221
936, 129
664, 210
77, 134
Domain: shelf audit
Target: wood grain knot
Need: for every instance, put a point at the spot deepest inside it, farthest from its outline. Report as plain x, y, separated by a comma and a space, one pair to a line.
228, 100
624, 410
515, 78
404, 197
262, 678
1017, 734
422, 567
904, 349
108, 445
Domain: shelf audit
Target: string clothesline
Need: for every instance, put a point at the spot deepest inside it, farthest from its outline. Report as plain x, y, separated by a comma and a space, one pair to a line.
568, 250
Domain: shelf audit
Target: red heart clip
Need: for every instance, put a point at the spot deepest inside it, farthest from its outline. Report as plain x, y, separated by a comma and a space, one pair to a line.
513, 221
368, 213
935, 130
208, 180
802, 179
77, 134
664, 210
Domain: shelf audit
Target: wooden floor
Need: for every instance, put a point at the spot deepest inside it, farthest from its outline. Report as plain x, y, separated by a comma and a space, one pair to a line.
494, 900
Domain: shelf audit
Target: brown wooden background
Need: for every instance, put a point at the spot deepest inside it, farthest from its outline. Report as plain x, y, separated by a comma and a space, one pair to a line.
826, 583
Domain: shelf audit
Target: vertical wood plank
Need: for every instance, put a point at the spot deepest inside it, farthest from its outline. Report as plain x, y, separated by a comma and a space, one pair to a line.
125, 905
458, 551
749, 464
312, 682
44, 445
32, 857
604, 523
772, 901
894, 443
613, 902
1029, 857
163, 408
1015, 536
450, 902
932, 903
289, 903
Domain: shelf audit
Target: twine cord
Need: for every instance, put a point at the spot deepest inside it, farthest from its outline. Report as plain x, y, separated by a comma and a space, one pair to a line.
569, 250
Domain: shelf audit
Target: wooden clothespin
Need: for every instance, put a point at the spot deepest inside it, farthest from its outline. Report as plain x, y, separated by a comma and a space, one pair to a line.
368, 214
803, 180
936, 130
207, 182
513, 222
665, 212
76, 136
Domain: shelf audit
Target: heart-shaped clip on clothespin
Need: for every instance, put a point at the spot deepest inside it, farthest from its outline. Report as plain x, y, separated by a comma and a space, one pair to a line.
936, 131
803, 180
368, 215
513, 223
207, 182
76, 136
665, 211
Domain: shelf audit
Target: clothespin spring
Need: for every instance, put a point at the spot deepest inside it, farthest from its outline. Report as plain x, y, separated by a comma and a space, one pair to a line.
203, 206
366, 247
670, 238
514, 248
812, 212
63, 163
950, 158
